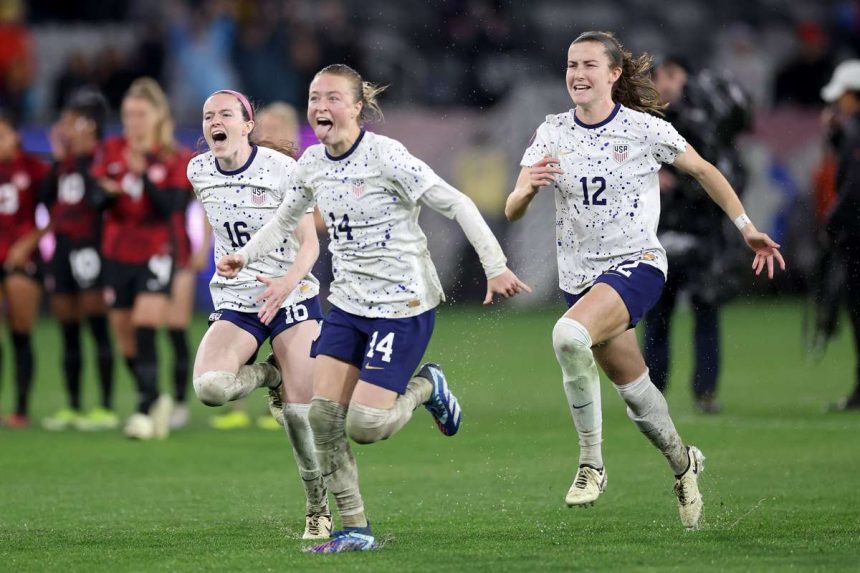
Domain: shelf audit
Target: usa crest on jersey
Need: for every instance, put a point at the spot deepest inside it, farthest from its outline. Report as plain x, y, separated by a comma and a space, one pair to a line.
258, 196
620, 152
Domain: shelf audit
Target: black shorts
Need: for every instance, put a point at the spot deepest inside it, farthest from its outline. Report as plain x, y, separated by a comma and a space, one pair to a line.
124, 281
74, 268
32, 270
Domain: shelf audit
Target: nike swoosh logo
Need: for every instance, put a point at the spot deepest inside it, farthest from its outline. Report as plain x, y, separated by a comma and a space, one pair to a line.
575, 407
369, 367
565, 152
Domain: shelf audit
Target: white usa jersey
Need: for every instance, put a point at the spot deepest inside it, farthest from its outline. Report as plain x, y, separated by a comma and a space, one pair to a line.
608, 199
369, 197
238, 203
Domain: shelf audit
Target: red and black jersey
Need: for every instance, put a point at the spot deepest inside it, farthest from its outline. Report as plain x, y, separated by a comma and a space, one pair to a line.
73, 215
135, 228
19, 182
178, 222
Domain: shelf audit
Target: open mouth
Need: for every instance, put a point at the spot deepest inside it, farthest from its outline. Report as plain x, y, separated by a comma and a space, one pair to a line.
580, 89
323, 126
219, 136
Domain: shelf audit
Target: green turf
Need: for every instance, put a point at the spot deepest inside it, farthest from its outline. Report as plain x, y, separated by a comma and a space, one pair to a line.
781, 485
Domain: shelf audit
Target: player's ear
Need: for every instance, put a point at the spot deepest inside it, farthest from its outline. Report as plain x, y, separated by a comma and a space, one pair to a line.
249, 127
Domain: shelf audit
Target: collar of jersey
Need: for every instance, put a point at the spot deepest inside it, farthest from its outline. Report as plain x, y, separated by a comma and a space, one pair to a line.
598, 124
349, 151
241, 169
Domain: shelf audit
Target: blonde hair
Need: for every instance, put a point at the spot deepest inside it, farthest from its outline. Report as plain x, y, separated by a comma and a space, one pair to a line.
149, 90
634, 87
286, 114
362, 91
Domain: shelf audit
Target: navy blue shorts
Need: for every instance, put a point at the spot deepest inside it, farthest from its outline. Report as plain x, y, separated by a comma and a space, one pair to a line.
638, 283
386, 350
286, 317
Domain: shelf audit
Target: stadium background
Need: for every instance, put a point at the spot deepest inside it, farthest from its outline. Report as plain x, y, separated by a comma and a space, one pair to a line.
470, 80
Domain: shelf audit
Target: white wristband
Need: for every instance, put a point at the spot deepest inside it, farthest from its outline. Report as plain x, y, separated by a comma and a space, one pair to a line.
742, 221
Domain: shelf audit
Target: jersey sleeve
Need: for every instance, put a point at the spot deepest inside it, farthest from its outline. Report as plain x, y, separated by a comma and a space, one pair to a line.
667, 143
411, 176
540, 146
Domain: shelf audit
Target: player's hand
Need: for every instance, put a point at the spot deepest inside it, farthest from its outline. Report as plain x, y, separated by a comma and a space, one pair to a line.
277, 291
110, 186
766, 250
229, 266
543, 172
506, 284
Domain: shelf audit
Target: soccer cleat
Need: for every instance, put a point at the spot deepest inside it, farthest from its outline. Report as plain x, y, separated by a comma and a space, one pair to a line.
96, 420
235, 420
65, 419
443, 405
347, 539
587, 486
687, 490
139, 427
160, 413
707, 405
267, 422
318, 525
180, 416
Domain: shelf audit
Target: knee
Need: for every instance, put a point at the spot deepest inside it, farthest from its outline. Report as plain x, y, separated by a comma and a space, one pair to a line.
570, 337
326, 419
363, 425
211, 387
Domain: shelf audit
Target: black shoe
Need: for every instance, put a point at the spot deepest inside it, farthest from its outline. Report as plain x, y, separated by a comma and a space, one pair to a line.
707, 405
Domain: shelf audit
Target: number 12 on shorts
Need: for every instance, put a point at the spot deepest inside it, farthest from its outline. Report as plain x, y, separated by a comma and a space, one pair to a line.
385, 346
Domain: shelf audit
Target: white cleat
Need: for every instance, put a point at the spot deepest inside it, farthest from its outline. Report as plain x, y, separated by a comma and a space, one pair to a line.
160, 413
139, 427
687, 489
318, 525
587, 486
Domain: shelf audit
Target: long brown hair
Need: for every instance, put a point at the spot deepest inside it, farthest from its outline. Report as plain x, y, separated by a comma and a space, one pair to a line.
362, 91
149, 90
634, 87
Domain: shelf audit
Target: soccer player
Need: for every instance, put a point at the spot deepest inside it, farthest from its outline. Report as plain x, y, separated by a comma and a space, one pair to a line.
140, 174
370, 190
240, 185
602, 159
275, 122
20, 277
75, 270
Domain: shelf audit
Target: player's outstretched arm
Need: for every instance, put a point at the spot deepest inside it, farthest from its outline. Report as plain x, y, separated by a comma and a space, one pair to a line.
529, 182
720, 190
279, 288
446, 200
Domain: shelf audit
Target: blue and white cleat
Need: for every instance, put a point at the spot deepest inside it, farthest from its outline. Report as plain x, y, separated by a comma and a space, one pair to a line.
347, 539
443, 405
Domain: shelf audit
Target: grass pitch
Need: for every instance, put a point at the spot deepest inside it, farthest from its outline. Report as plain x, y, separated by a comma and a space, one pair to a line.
780, 486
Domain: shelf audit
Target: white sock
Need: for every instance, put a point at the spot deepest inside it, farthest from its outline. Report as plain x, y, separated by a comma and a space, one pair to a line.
572, 345
302, 439
648, 409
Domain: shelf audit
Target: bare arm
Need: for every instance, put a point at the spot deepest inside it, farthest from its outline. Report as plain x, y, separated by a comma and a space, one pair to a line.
720, 191
529, 182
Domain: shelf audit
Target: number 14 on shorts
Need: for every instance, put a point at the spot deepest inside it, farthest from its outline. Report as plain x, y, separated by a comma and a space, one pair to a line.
385, 346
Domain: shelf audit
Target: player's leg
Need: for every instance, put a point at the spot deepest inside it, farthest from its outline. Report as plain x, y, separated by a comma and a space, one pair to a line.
67, 311
658, 326
706, 316
220, 375
594, 317
292, 349
24, 293
388, 393
102, 417
147, 316
178, 319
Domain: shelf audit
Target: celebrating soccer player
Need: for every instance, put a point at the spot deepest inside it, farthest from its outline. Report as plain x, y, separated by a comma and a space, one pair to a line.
369, 189
240, 185
602, 160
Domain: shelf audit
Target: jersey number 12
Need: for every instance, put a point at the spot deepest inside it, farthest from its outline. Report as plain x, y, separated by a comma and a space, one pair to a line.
596, 199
